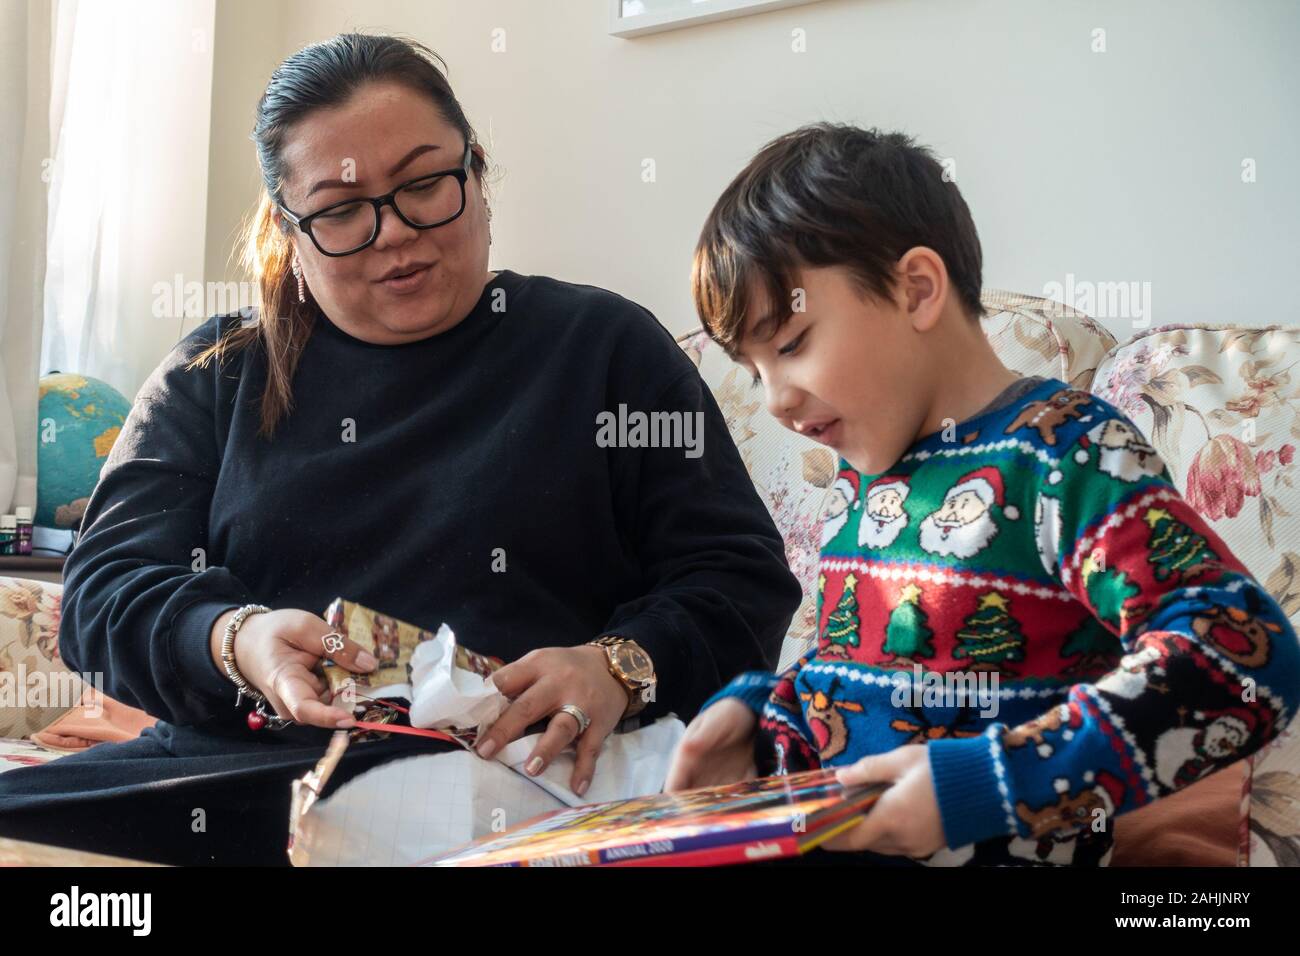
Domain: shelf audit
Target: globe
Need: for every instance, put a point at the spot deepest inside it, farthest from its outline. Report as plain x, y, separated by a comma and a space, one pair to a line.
78, 420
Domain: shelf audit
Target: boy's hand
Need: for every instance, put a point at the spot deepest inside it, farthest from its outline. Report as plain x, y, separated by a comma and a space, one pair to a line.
717, 748
905, 820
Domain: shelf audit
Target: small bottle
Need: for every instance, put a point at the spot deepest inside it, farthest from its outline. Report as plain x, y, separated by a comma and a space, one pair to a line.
8, 533
24, 529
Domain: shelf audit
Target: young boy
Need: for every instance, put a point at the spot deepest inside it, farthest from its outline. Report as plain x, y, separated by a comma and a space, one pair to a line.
1022, 624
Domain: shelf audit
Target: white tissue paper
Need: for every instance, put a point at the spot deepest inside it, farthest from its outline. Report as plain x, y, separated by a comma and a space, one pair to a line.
444, 696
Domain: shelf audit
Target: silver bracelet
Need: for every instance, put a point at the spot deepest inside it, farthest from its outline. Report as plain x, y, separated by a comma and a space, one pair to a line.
228, 654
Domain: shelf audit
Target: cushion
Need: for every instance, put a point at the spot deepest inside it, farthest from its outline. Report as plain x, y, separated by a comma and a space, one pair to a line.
40, 699
96, 719
35, 688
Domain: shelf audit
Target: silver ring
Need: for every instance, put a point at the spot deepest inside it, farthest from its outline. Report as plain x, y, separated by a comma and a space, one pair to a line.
577, 713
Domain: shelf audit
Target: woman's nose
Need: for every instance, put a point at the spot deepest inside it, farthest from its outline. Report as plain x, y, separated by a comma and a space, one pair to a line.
392, 231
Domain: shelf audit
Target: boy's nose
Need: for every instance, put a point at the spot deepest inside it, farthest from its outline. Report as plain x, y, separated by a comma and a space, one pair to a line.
781, 399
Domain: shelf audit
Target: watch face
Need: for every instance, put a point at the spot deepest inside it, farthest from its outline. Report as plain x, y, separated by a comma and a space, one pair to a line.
634, 662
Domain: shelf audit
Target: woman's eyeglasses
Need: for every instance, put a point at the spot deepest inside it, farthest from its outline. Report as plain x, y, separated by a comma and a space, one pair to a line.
349, 226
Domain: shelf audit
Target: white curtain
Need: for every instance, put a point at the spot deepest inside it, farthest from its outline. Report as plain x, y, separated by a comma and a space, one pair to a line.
105, 112
129, 118
24, 172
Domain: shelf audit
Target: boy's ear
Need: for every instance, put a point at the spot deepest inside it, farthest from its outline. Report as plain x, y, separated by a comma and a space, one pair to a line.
922, 284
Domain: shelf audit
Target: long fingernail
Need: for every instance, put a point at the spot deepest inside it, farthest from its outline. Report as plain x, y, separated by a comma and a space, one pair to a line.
366, 660
534, 766
487, 748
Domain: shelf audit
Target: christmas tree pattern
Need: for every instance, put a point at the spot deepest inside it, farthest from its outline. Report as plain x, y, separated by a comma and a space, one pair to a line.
991, 636
1174, 548
842, 626
1107, 590
1095, 647
907, 635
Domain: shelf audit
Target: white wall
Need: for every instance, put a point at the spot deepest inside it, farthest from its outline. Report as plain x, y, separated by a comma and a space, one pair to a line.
1115, 166
248, 44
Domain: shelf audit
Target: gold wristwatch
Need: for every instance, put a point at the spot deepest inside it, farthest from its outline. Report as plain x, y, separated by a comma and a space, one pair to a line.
631, 667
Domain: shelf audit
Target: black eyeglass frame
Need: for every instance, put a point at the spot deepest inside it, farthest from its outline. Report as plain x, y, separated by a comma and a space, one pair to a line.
460, 174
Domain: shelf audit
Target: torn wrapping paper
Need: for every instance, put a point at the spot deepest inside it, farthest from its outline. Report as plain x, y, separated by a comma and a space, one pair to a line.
394, 643
415, 808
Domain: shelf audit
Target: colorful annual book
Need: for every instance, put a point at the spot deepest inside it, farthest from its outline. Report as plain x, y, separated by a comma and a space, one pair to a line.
761, 819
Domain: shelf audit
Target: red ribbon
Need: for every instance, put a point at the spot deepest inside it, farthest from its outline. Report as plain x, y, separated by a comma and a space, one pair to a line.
400, 729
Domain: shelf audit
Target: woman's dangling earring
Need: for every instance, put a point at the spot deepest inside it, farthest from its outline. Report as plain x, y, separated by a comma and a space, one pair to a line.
489, 219
296, 266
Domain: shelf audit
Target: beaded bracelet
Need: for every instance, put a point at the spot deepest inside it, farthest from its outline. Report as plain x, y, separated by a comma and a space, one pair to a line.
259, 718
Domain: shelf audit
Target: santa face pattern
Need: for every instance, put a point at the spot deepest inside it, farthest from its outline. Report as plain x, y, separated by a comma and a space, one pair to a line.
963, 526
1123, 452
1111, 648
883, 518
840, 501
960, 524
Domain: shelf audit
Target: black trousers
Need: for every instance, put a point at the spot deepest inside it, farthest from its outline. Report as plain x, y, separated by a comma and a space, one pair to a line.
180, 795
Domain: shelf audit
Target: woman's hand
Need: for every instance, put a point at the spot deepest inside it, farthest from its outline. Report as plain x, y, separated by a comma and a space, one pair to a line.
539, 684
277, 652
717, 748
905, 819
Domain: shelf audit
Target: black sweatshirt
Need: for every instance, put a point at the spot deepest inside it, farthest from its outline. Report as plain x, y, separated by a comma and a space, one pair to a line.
399, 472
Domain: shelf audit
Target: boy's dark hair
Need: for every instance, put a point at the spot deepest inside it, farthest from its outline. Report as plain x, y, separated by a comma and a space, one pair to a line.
828, 195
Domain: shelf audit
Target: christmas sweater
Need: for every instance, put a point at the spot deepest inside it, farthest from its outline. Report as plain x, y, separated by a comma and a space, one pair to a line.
1028, 594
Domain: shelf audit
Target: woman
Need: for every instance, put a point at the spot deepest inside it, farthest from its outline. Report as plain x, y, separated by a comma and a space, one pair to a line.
404, 428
